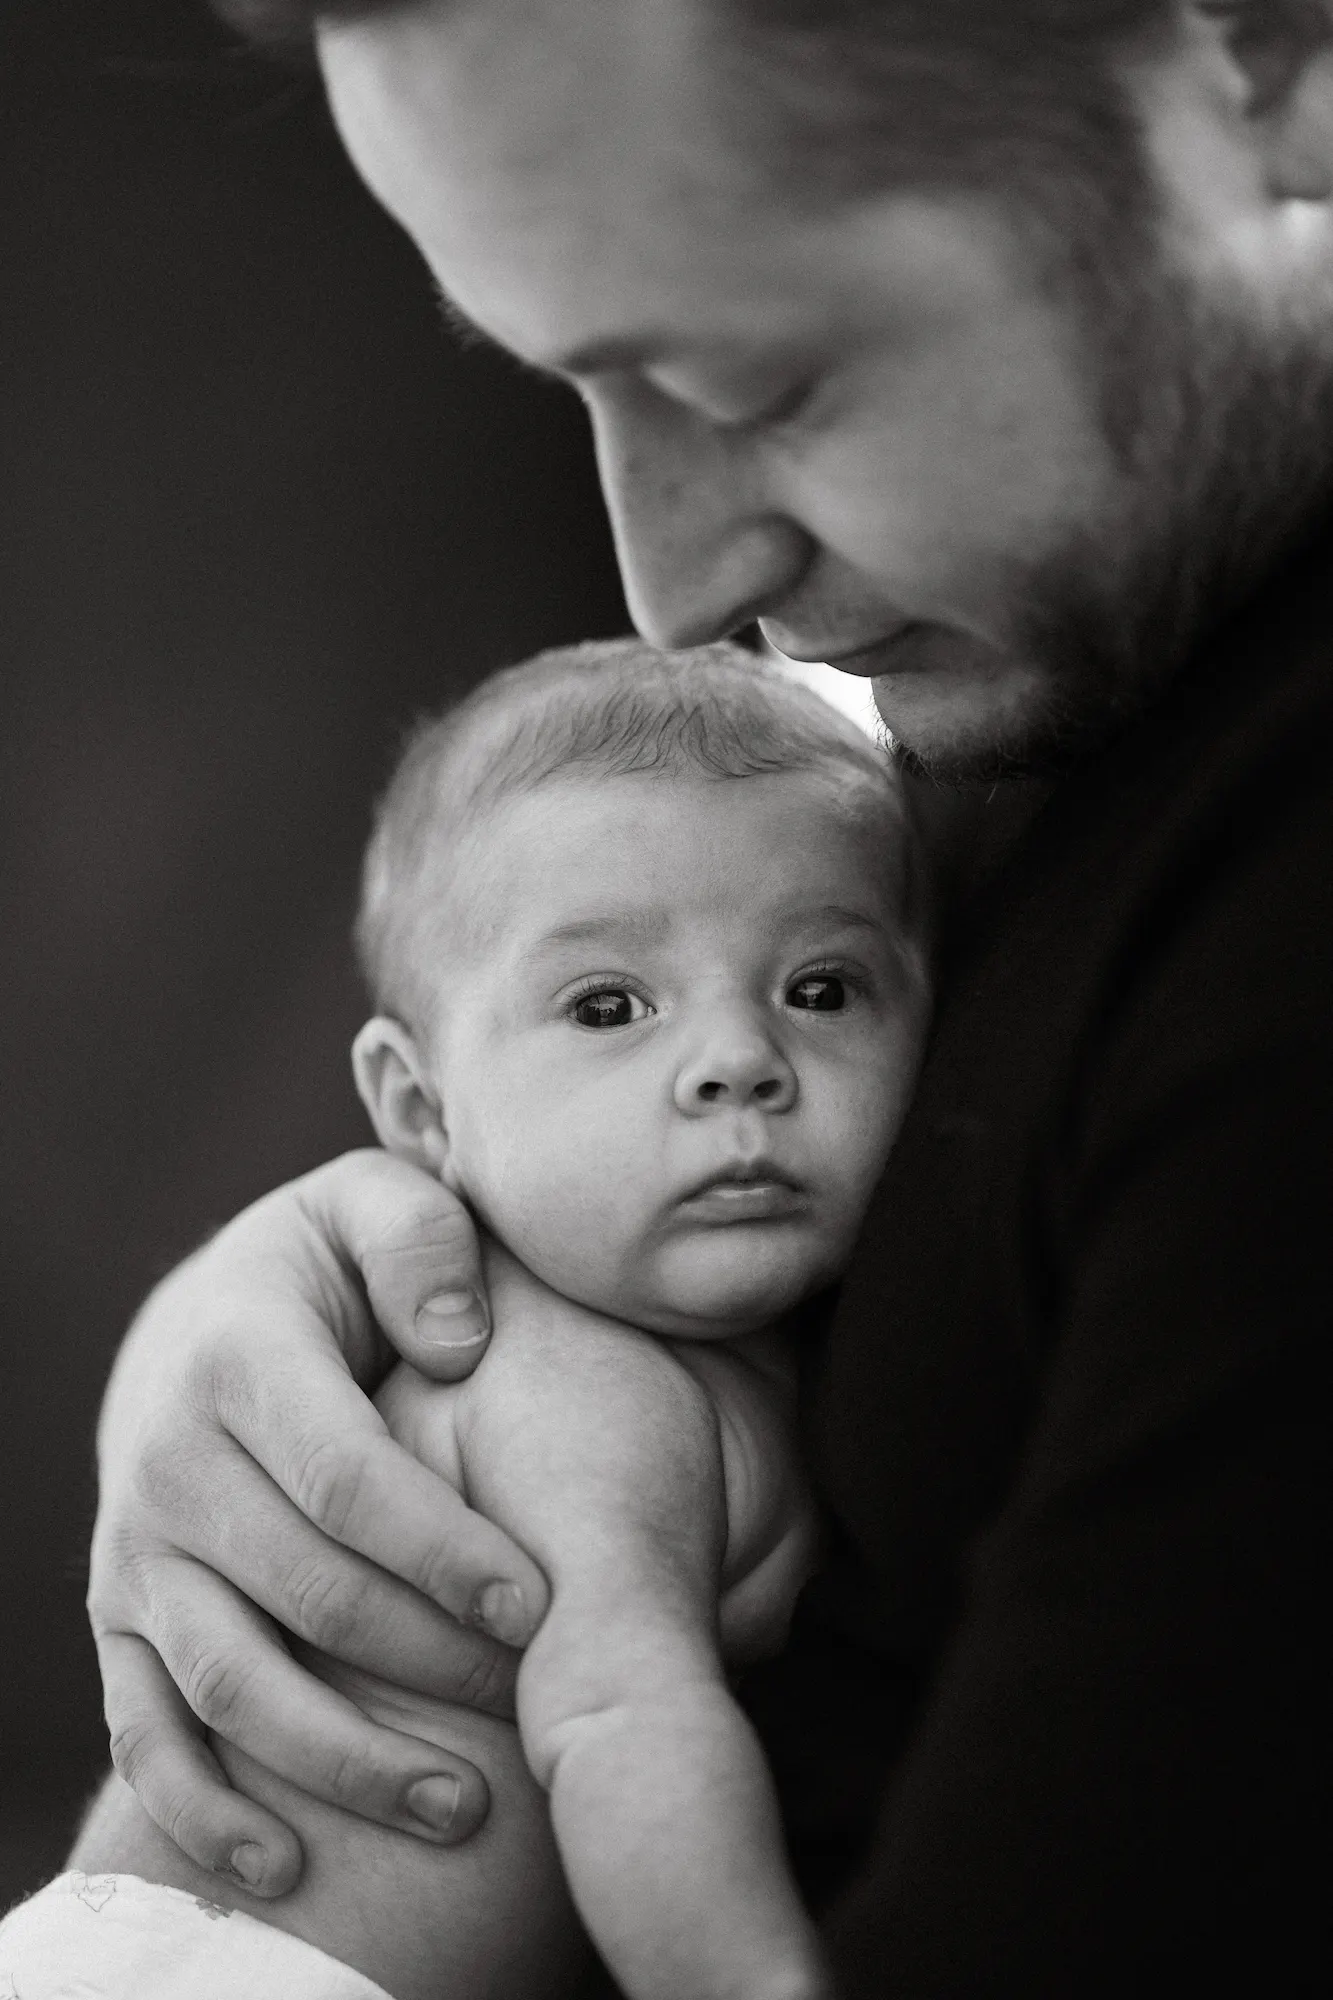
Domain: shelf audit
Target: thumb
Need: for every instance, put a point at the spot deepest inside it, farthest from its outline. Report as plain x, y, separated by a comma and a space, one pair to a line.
416, 1248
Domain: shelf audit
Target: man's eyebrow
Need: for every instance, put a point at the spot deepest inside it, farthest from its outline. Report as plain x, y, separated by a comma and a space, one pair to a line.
590, 359
465, 329
469, 335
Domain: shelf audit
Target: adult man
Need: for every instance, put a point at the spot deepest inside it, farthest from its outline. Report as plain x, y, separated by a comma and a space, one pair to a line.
984, 347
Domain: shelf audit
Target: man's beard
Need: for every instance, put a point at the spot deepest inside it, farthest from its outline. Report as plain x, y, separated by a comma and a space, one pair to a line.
1223, 432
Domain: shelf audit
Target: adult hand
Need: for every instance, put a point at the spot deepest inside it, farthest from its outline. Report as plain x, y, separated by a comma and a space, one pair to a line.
247, 1485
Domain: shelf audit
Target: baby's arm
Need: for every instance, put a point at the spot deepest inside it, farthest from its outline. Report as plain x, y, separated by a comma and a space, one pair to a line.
636, 1480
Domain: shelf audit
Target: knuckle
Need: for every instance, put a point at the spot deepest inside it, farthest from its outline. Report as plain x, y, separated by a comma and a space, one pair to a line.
439, 1219
406, 1196
327, 1485
132, 1743
180, 1820
165, 1478
155, 1474
439, 1575
105, 1614
109, 1570
216, 1690
346, 1174
230, 1364
121, 1579
352, 1776
427, 1223
323, 1606
485, 1678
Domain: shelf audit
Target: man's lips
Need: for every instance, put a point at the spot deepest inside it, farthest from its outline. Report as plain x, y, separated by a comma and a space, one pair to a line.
868, 661
915, 650
875, 656
752, 1193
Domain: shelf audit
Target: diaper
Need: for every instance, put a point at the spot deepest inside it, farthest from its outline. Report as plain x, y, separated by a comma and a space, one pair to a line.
113, 1937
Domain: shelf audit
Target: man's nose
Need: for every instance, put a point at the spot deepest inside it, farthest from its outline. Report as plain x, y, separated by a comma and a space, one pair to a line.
735, 1066
701, 552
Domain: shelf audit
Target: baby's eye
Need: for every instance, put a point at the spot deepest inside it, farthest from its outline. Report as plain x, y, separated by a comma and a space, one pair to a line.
608, 1007
818, 993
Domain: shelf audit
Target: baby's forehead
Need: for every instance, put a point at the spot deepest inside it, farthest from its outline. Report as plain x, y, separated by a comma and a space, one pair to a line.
577, 810
671, 845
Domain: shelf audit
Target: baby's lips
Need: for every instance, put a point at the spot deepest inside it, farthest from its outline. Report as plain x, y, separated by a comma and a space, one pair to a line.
743, 1173
746, 1196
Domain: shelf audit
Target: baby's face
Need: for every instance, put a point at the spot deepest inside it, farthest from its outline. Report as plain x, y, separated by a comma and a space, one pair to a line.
676, 1046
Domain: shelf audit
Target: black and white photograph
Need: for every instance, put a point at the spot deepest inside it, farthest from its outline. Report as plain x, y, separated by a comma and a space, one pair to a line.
666, 798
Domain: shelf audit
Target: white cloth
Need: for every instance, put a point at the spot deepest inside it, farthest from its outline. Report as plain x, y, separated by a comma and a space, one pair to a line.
113, 1937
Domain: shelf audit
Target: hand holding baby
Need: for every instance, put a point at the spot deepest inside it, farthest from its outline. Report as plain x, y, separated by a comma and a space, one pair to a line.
256, 1471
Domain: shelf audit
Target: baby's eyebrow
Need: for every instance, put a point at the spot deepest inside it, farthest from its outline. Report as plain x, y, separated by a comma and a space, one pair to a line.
826, 915
637, 928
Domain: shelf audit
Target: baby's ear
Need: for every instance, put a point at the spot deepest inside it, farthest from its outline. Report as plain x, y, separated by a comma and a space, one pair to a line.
396, 1090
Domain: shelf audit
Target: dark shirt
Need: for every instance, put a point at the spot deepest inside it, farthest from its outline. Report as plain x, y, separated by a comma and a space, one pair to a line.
1051, 1721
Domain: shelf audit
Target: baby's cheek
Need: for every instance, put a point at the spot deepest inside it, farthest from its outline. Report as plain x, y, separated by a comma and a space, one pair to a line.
869, 1110
570, 1206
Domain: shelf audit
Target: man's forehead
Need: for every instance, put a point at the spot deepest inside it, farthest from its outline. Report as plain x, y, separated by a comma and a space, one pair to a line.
630, 247
554, 160
523, 92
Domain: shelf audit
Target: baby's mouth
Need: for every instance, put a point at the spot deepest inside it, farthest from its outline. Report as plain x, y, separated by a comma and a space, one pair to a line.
754, 1192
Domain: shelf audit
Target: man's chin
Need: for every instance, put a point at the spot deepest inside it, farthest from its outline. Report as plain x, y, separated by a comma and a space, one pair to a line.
966, 713
960, 710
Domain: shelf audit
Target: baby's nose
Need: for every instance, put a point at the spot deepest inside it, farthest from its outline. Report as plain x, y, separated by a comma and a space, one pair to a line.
736, 1067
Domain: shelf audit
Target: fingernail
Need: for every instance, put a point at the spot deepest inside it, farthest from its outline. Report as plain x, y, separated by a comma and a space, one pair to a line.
453, 1319
434, 1801
499, 1610
250, 1862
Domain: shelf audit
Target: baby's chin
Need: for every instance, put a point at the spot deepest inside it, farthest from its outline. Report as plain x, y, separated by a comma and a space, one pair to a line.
726, 1283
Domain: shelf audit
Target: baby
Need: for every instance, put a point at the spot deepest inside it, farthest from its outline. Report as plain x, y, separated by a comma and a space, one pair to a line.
644, 940
643, 933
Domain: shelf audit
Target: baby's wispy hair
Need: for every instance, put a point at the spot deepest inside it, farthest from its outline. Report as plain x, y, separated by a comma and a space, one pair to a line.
616, 707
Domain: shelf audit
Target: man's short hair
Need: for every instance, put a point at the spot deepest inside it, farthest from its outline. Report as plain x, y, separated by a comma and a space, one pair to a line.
612, 708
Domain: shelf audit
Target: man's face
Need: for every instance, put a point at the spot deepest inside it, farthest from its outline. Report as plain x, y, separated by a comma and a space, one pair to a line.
874, 423
675, 1032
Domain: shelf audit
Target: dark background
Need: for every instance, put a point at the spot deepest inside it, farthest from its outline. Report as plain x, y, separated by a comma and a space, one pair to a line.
255, 512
